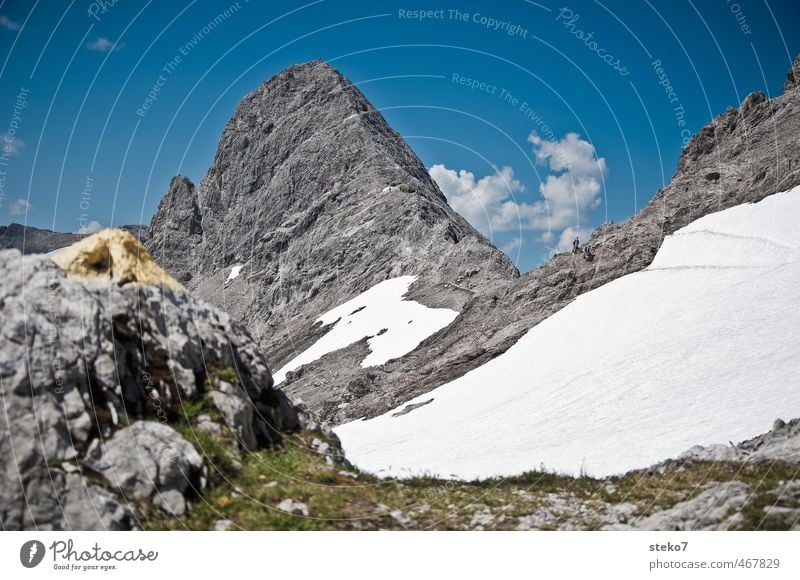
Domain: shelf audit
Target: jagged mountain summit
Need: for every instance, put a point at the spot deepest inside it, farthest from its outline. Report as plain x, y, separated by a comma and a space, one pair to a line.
312, 199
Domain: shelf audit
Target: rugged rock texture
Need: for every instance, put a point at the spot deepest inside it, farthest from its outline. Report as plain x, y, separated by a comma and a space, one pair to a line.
149, 458
113, 255
782, 443
319, 199
793, 76
741, 156
716, 508
94, 374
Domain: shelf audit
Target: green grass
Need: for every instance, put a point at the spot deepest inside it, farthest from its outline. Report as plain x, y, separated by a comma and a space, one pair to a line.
246, 488
201, 405
226, 374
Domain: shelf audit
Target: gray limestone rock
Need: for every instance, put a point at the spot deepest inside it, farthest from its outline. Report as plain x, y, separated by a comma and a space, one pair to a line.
793, 76
782, 443
293, 507
80, 360
716, 508
237, 411
146, 459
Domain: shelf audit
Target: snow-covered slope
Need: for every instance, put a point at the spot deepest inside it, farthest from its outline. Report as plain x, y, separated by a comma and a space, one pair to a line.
699, 348
396, 326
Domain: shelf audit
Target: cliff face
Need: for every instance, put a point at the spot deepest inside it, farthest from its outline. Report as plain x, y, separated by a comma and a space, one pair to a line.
743, 155
317, 199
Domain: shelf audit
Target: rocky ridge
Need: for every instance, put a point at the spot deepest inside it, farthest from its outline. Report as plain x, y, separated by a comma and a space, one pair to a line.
31, 240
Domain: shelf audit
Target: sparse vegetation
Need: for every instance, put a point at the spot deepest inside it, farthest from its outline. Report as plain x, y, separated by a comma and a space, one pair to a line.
227, 374
341, 497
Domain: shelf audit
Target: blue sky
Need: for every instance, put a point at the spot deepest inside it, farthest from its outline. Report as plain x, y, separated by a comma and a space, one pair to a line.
539, 119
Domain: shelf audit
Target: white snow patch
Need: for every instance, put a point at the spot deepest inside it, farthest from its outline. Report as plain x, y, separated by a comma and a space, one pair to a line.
234, 273
699, 348
396, 326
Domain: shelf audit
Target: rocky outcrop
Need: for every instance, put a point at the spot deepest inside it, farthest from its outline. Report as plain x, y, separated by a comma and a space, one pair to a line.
149, 458
782, 443
113, 255
317, 199
97, 371
741, 156
716, 508
176, 229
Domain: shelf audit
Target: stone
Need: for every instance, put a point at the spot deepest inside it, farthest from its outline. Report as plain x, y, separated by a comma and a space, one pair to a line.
237, 411
788, 491
400, 517
223, 525
481, 519
793, 76
113, 255
293, 507
61, 501
207, 425
320, 446
716, 508
148, 458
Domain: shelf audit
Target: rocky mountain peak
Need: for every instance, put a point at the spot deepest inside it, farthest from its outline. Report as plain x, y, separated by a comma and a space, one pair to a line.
315, 198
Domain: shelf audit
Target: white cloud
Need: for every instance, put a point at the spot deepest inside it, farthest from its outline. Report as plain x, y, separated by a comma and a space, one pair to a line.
487, 203
8, 24
19, 207
91, 228
102, 44
573, 188
568, 194
570, 153
11, 144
